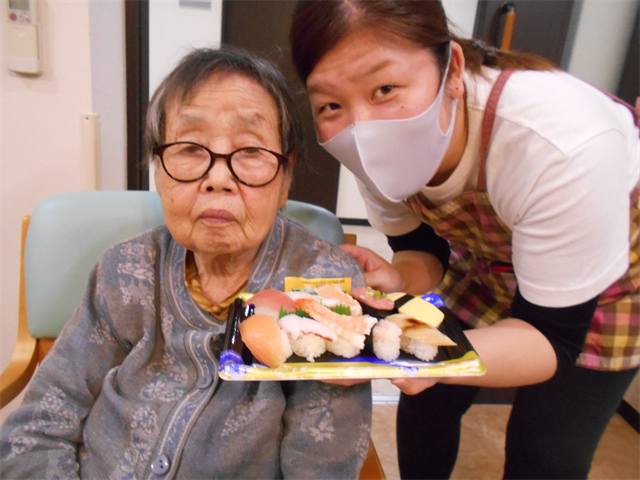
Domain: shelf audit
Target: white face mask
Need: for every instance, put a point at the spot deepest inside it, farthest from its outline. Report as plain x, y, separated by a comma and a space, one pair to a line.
395, 158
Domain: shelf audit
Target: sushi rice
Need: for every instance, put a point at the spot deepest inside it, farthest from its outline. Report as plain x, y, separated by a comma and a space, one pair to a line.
308, 346
386, 340
424, 351
342, 347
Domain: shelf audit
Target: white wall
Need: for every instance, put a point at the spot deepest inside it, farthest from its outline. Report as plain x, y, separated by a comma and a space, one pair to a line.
175, 28
602, 37
40, 136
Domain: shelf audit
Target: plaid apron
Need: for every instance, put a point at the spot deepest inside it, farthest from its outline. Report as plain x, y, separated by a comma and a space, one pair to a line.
480, 284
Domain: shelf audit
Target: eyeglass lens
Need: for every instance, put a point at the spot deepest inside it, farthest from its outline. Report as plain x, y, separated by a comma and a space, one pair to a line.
186, 162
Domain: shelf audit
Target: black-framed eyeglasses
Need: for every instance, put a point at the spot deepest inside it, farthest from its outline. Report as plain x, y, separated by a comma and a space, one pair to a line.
188, 162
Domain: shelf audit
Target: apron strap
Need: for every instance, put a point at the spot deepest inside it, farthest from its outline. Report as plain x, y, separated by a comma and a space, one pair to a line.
487, 124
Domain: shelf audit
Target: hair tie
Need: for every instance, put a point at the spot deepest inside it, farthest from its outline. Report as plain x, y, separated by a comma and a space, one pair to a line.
488, 50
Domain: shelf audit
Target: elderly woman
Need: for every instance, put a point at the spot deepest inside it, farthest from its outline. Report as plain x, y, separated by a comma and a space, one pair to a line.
130, 388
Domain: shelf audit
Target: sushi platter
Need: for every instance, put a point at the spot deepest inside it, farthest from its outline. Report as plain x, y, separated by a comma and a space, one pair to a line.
338, 336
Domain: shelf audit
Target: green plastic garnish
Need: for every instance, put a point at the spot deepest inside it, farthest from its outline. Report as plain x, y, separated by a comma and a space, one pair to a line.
301, 313
341, 309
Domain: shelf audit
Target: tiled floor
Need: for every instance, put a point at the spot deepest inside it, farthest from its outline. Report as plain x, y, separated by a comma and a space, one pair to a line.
481, 453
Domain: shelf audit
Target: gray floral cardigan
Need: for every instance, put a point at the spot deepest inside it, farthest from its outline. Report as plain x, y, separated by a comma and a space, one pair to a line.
130, 389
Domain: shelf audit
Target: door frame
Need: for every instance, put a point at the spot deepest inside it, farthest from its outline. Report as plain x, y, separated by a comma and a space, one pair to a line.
136, 18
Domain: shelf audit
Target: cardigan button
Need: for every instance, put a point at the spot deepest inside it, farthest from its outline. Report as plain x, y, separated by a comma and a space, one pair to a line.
204, 381
161, 465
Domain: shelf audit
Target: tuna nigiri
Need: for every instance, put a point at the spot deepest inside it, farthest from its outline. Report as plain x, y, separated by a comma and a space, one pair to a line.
263, 337
373, 298
269, 302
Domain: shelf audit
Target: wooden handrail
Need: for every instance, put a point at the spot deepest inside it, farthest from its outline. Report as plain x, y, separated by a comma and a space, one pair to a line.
509, 25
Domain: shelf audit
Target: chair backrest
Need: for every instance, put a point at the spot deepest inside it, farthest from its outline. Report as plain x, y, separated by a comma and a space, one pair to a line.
317, 219
69, 232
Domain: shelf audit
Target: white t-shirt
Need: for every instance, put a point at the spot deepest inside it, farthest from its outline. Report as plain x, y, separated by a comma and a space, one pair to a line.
562, 162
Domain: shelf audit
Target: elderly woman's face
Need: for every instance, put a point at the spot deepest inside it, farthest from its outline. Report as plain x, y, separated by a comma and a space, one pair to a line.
217, 214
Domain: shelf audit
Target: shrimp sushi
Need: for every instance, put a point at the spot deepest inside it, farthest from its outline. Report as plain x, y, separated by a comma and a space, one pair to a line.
351, 328
263, 337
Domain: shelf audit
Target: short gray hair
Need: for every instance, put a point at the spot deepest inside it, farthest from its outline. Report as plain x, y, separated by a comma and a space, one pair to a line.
197, 67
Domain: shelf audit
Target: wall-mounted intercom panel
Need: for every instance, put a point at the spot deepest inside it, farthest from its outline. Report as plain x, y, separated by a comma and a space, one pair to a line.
21, 38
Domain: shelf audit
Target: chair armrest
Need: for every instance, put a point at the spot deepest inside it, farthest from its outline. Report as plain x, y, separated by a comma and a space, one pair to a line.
350, 238
372, 468
19, 371
25, 354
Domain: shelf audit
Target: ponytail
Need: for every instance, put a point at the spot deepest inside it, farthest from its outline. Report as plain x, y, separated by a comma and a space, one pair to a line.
478, 54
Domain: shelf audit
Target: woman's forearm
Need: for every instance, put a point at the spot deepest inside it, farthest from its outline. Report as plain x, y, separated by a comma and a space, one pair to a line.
420, 271
514, 352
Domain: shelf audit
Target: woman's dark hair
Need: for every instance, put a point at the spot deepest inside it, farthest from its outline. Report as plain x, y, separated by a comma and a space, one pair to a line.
318, 26
197, 67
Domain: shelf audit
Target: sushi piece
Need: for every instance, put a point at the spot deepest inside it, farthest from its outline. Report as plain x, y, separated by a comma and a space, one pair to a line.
424, 351
351, 328
308, 346
419, 339
306, 336
343, 347
263, 337
423, 311
295, 326
331, 292
374, 299
386, 340
270, 301
419, 331
297, 295
327, 302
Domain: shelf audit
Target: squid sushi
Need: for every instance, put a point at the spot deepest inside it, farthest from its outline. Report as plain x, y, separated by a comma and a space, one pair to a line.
263, 337
306, 336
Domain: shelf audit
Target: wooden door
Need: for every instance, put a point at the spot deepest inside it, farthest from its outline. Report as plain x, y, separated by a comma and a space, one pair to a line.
262, 27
